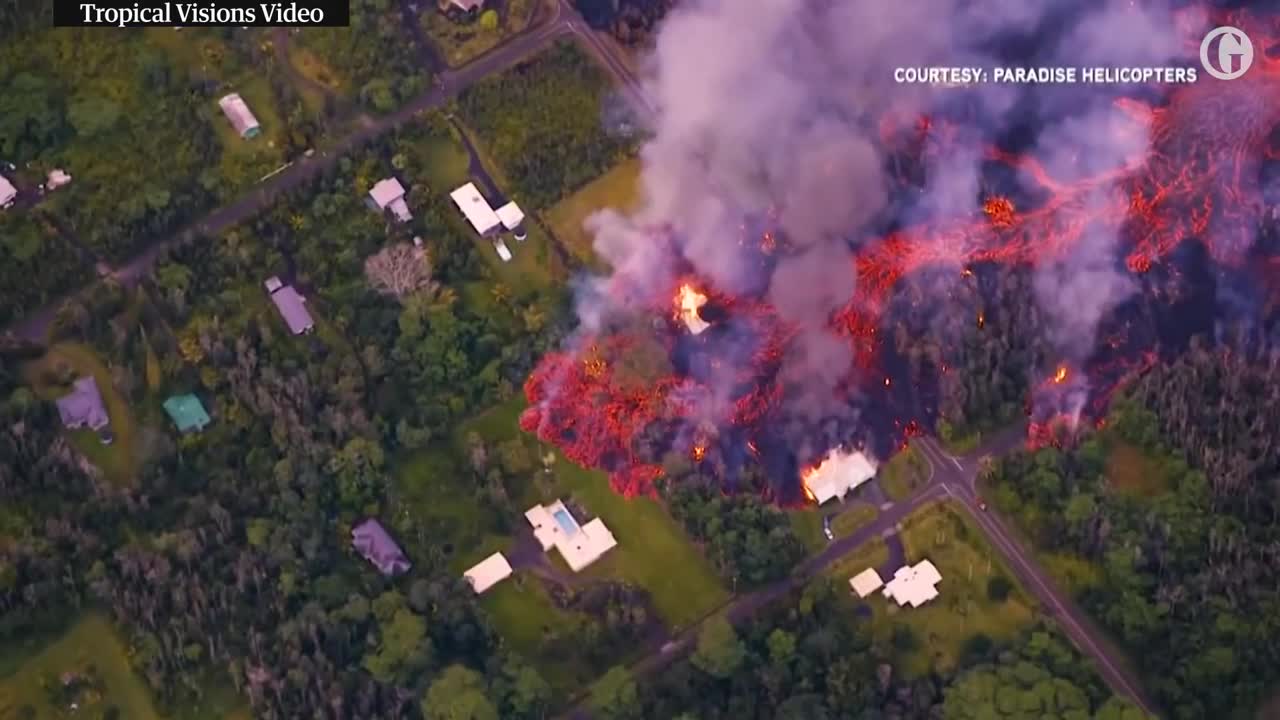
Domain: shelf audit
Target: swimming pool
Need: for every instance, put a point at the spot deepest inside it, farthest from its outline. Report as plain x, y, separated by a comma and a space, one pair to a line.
565, 521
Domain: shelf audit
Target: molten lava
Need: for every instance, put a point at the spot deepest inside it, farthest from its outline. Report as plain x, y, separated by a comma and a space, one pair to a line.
1197, 181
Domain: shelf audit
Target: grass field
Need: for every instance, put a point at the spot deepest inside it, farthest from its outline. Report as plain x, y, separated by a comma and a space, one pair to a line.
848, 520
653, 551
521, 609
1131, 472
905, 473
618, 189
310, 66
119, 460
872, 554
941, 534
91, 642
806, 523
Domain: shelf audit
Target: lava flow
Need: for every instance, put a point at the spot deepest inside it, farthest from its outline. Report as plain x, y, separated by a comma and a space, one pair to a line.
1197, 182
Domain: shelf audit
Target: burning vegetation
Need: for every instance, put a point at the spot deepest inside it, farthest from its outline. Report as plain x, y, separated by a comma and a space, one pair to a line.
945, 320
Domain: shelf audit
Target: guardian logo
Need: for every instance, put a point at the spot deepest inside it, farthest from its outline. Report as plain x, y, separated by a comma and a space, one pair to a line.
1235, 53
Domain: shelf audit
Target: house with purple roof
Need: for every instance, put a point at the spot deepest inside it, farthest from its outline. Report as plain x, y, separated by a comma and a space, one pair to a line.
83, 407
371, 540
291, 305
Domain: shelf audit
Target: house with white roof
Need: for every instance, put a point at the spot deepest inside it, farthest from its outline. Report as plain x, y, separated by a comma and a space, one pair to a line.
241, 117
511, 217
476, 209
555, 527
389, 194
839, 474
866, 582
8, 193
914, 585
488, 572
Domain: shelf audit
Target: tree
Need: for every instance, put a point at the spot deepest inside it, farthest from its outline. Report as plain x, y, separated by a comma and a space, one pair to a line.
458, 694
400, 270
403, 650
615, 696
719, 652
782, 646
489, 20
998, 588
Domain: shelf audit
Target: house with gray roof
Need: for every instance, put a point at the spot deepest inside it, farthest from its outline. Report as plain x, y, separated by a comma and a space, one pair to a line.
83, 407
291, 305
371, 540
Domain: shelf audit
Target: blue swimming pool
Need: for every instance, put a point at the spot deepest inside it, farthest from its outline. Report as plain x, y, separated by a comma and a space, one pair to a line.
565, 521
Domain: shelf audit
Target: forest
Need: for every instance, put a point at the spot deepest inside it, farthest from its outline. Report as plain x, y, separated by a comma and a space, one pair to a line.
1183, 572
228, 554
375, 55
811, 657
544, 123
633, 22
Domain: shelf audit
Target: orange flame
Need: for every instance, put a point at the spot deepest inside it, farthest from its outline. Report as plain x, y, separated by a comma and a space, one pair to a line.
687, 302
999, 210
982, 321
1060, 376
699, 452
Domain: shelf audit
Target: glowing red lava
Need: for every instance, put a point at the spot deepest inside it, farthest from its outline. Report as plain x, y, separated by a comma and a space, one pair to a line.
1204, 143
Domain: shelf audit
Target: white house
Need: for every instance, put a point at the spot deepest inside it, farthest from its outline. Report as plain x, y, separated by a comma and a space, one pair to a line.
8, 193
57, 178
241, 117
866, 582
511, 217
488, 572
389, 195
837, 475
555, 527
914, 585
476, 209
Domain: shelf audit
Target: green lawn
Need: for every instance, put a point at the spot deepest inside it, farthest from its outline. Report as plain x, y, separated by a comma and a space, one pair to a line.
873, 553
905, 473
92, 642
520, 608
618, 189
848, 520
119, 460
462, 42
310, 66
653, 551
446, 161
807, 525
1130, 471
966, 561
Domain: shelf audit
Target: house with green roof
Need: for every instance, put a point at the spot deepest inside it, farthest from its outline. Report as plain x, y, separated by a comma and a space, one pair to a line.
187, 412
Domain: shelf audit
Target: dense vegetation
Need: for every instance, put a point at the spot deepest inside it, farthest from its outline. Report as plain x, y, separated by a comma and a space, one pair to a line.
812, 658
543, 121
633, 22
36, 265
1184, 575
375, 55
230, 553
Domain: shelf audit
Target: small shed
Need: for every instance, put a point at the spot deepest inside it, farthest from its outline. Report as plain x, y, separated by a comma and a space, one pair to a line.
488, 572
187, 412
291, 305
241, 117
57, 178
504, 252
866, 582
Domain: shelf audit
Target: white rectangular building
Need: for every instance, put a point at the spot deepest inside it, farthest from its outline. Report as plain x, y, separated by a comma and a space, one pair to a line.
8, 193
504, 252
914, 585
476, 209
488, 572
555, 527
241, 117
866, 582
389, 194
837, 475
510, 215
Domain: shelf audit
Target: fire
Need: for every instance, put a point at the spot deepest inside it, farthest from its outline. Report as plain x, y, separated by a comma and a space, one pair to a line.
688, 301
1061, 375
999, 211
887, 383
982, 321
768, 243
699, 452
805, 477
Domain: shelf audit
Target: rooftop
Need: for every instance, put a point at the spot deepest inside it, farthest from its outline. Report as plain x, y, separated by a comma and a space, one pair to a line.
292, 307
866, 582
241, 117
488, 572
373, 542
475, 208
838, 474
510, 215
386, 192
7, 191
187, 412
83, 407
555, 527
504, 252
914, 585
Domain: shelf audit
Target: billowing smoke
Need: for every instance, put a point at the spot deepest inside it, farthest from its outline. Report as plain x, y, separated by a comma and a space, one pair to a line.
772, 106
